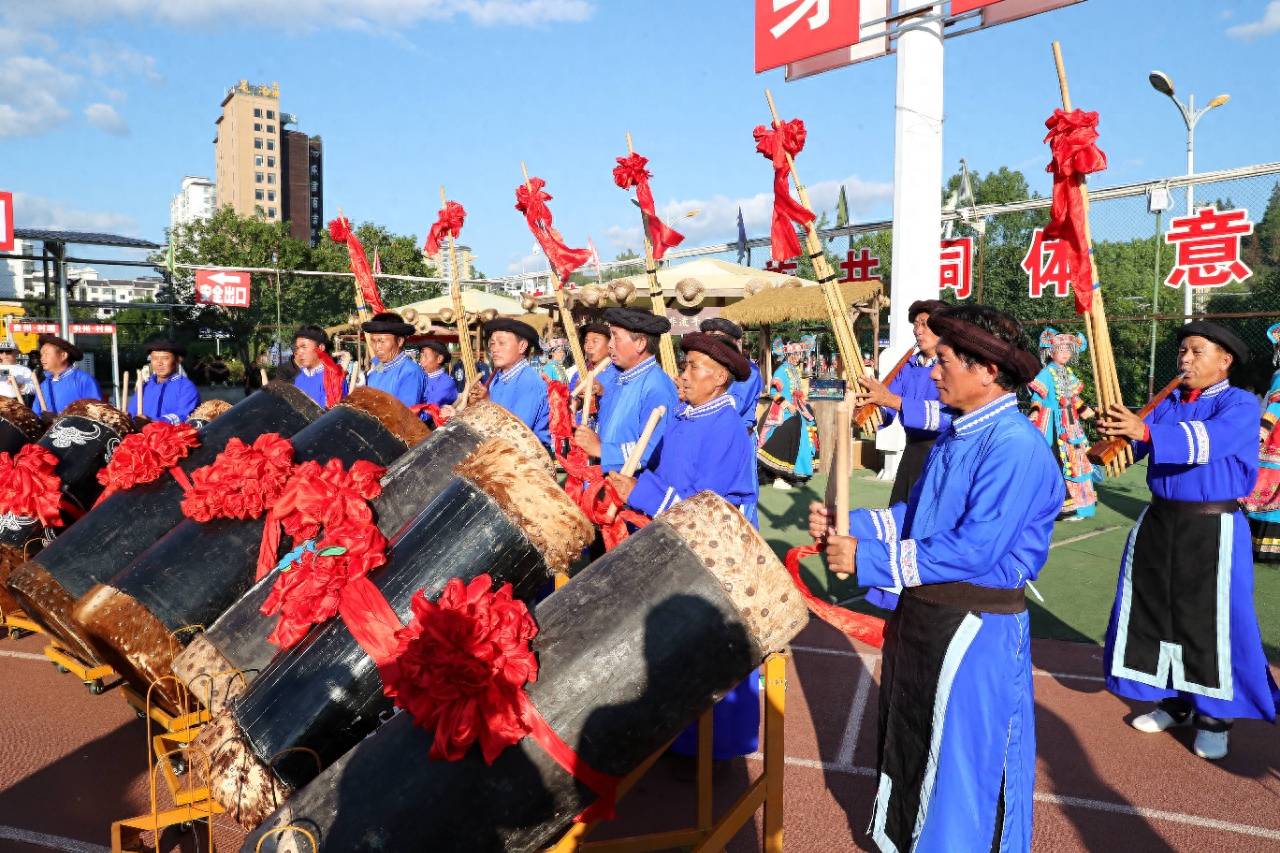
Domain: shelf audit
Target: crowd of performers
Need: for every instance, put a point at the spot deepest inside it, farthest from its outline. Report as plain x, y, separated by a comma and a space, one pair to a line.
981, 483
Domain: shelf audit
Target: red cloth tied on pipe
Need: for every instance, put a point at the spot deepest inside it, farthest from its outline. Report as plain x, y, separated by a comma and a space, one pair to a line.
340, 231
242, 482
143, 457
331, 380
631, 172
586, 484
775, 144
1072, 139
448, 224
459, 668
431, 409
856, 626
531, 200
29, 488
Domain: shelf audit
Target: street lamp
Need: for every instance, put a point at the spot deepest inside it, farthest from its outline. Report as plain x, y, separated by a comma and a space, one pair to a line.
1163, 84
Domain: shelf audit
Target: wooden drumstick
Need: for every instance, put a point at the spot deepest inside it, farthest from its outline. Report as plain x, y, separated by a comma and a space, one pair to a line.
138, 392
44, 407
632, 464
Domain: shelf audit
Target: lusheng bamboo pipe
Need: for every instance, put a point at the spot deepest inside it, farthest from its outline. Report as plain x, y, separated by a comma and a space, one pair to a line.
866, 412
1106, 380
666, 351
838, 477
566, 318
459, 318
1104, 452
837, 313
362, 307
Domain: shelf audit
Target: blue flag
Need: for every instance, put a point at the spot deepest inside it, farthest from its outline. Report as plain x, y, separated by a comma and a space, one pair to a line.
743, 251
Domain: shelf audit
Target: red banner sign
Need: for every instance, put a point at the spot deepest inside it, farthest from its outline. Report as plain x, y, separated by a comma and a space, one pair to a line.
1208, 248
790, 30
956, 266
222, 287
33, 327
6, 222
93, 328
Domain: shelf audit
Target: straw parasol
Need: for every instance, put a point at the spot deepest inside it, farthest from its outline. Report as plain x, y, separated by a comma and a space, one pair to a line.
802, 304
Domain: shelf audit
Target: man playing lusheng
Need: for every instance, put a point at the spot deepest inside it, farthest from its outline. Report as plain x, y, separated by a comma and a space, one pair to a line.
1183, 630
957, 729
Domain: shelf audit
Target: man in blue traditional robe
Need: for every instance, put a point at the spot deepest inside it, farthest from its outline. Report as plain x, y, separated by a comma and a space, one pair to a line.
595, 349
642, 387
392, 370
441, 389
63, 382
745, 392
706, 449
1183, 630
516, 385
167, 395
957, 728
913, 396
319, 376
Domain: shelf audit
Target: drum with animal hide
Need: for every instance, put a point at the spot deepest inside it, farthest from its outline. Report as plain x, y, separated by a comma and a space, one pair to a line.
81, 440
136, 620
222, 660
207, 411
18, 425
501, 515
630, 652
125, 524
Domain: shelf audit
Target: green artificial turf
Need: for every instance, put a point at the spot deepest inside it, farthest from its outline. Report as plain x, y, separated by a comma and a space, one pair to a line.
1078, 582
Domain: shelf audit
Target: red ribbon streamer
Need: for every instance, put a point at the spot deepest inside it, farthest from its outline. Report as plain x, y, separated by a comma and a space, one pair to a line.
460, 667
586, 484
332, 379
320, 499
531, 200
340, 231
857, 626
242, 482
775, 144
448, 224
29, 487
143, 457
1072, 139
431, 409
631, 172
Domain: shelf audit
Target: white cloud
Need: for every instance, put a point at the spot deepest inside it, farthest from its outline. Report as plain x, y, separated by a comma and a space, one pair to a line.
314, 14
31, 211
533, 262
105, 118
717, 217
31, 93
1268, 24
117, 60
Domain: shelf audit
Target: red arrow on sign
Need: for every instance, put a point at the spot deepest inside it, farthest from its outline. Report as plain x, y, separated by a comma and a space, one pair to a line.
222, 287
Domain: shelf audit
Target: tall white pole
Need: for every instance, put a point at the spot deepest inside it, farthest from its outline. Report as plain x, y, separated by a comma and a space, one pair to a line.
917, 173
1190, 116
115, 361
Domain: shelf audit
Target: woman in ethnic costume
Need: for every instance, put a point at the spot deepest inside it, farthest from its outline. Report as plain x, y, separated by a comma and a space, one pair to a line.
1057, 410
787, 450
1263, 503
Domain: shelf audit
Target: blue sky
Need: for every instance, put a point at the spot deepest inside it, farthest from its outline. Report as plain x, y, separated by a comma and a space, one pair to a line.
106, 104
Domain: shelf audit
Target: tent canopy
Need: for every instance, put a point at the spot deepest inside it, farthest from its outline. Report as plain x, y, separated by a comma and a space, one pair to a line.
804, 304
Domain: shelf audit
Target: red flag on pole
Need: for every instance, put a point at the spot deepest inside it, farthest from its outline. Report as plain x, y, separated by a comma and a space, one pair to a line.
1072, 138
631, 172
340, 232
775, 144
531, 200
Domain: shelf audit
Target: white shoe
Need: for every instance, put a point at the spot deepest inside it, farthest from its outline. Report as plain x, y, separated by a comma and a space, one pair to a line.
1157, 721
1211, 745
780, 483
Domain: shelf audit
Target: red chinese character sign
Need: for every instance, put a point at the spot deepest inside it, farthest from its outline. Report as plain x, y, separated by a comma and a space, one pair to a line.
788, 30
1047, 267
956, 267
1208, 248
222, 287
859, 266
781, 267
38, 327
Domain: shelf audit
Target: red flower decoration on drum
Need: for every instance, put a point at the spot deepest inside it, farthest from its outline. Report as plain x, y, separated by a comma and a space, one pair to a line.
142, 457
29, 487
461, 666
243, 482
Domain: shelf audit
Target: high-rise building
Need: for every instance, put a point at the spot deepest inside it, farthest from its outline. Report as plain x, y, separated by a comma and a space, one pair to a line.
247, 151
194, 201
303, 164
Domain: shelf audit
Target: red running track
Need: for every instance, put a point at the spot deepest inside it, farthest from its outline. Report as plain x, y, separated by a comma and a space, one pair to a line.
70, 763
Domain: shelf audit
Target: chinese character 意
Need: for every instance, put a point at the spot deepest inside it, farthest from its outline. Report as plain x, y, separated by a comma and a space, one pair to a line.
1208, 248
1046, 265
820, 9
956, 266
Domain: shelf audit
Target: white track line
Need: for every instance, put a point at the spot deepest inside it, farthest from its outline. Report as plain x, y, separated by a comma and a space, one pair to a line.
1083, 536
1070, 802
849, 740
52, 842
847, 653
23, 656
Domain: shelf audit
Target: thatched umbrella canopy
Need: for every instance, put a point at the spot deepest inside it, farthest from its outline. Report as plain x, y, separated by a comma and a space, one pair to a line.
804, 304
